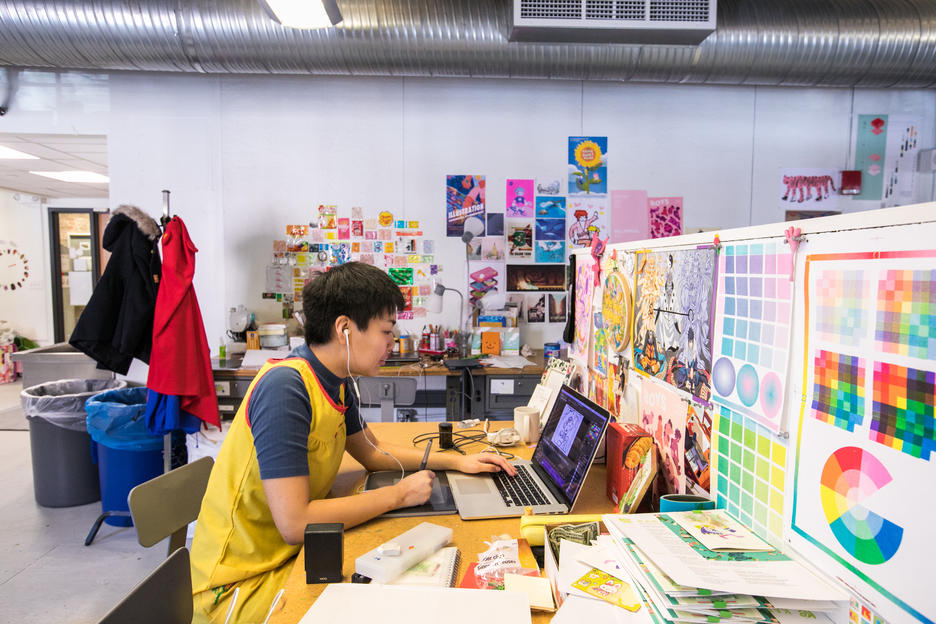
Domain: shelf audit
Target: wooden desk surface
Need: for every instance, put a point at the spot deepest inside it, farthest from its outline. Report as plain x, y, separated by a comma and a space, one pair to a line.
469, 536
230, 368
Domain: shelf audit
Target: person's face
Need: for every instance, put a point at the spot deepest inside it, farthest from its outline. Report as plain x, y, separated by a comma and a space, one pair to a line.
370, 348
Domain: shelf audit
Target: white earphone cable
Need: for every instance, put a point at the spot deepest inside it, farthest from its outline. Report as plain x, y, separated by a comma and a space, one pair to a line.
357, 391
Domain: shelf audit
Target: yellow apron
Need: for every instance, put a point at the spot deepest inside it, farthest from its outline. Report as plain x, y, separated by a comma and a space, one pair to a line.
236, 542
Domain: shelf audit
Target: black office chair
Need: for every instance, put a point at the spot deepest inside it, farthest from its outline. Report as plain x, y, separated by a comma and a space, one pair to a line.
164, 597
387, 392
165, 505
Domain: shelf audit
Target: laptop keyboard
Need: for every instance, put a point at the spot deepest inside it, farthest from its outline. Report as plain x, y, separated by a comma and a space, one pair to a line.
520, 490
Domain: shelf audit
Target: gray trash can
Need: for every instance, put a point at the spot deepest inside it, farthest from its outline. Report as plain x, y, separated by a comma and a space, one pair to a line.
64, 471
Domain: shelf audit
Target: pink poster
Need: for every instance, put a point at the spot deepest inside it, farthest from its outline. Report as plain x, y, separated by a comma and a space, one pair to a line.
630, 220
519, 198
344, 228
584, 289
663, 414
666, 216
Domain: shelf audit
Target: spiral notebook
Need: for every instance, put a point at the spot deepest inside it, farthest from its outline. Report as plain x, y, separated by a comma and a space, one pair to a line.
439, 569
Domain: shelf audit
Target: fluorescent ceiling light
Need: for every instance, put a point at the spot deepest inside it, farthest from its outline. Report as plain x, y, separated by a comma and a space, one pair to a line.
304, 14
8, 153
87, 177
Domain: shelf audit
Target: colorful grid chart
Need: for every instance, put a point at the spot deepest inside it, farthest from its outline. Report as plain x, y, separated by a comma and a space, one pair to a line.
840, 307
750, 473
754, 306
906, 317
859, 613
902, 415
838, 390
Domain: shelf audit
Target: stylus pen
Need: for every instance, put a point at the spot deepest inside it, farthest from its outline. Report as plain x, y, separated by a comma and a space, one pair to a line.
425, 459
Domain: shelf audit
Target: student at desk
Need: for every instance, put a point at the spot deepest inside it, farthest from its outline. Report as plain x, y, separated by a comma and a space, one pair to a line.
282, 453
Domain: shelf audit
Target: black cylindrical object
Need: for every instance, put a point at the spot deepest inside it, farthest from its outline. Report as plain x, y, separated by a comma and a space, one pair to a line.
64, 474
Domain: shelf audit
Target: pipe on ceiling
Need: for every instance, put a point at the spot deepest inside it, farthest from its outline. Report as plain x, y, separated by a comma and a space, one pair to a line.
829, 43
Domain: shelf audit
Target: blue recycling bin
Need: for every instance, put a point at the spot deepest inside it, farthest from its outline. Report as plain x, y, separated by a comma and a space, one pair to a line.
127, 453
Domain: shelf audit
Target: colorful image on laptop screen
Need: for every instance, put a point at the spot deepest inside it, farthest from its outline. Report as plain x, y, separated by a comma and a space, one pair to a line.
568, 442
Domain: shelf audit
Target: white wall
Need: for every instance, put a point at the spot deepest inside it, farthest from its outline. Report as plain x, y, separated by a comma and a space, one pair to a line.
22, 224
243, 156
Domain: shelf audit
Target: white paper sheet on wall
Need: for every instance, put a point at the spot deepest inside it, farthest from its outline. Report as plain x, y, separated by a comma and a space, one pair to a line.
79, 287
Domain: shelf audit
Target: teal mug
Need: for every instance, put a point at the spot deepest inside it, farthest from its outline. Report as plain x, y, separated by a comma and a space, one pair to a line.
684, 502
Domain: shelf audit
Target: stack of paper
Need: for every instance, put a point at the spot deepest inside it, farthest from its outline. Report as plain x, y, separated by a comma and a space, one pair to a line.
704, 566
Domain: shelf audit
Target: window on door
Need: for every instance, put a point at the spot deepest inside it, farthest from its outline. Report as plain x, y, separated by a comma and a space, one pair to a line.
75, 265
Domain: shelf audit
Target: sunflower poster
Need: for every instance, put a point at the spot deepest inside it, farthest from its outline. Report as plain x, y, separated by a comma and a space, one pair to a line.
464, 198
588, 165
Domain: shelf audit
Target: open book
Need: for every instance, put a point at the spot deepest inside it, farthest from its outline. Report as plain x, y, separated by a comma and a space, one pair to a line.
439, 569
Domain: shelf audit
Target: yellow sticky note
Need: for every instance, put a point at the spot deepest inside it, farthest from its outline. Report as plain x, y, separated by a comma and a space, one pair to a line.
608, 588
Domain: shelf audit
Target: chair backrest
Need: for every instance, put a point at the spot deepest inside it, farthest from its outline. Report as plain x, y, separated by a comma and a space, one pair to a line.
163, 597
387, 392
164, 506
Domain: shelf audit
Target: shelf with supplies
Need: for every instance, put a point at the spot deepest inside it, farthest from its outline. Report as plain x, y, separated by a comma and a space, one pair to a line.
492, 392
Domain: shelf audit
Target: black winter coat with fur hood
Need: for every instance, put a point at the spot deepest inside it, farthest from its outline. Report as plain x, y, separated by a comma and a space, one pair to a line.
117, 324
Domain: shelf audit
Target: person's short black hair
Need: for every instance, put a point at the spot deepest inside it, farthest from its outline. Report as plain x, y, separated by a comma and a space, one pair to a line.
359, 291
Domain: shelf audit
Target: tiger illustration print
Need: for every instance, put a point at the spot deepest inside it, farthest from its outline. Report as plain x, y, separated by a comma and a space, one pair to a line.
805, 186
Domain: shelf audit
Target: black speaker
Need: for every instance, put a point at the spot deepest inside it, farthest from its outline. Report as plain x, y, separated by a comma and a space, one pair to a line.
445, 435
324, 552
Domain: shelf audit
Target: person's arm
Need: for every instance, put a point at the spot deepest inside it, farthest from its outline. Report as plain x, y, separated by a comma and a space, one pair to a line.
360, 447
292, 510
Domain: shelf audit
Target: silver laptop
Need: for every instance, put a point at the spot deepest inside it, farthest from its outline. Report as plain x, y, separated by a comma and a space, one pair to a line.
550, 482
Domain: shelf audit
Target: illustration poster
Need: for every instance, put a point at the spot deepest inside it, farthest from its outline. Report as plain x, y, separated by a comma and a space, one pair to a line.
328, 217
754, 305
630, 216
557, 307
536, 308
663, 414
866, 449
588, 165
618, 303
885, 153
492, 248
698, 450
485, 279
666, 216
585, 217
519, 198
808, 188
600, 348
584, 288
545, 277
673, 302
519, 238
464, 198
549, 251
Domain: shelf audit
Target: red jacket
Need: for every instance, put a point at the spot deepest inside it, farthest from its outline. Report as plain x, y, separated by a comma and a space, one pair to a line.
180, 363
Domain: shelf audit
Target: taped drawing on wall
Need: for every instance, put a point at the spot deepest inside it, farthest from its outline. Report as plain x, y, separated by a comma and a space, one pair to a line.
663, 415
584, 288
673, 300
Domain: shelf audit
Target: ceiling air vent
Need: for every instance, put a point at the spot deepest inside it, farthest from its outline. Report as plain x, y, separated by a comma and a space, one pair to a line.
665, 22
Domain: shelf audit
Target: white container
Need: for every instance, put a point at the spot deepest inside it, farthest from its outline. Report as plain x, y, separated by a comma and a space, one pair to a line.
272, 335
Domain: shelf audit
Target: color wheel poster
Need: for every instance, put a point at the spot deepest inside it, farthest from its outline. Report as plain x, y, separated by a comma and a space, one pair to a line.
866, 448
752, 334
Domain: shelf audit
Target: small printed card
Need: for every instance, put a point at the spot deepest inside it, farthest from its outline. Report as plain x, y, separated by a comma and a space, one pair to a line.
608, 588
718, 531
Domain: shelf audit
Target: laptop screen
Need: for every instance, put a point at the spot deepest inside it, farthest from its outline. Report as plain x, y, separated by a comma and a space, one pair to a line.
569, 440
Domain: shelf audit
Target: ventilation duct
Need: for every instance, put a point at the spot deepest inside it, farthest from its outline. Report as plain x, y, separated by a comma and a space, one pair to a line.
836, 43
673, 22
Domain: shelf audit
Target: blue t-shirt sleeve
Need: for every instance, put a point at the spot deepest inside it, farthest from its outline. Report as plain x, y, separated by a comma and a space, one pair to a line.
280, 414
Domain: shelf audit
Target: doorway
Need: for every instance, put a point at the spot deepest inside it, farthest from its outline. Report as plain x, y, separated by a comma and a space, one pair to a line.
74, 242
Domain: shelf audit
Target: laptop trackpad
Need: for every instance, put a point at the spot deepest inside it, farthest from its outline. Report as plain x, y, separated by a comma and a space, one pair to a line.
474, 486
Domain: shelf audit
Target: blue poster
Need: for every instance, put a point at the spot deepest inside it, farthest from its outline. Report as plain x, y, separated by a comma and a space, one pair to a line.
588, 165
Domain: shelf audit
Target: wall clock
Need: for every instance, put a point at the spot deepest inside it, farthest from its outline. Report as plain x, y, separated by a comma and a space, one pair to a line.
14, 266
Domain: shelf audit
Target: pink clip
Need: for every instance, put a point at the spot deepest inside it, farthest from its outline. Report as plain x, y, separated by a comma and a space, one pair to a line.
597, 250
793, 238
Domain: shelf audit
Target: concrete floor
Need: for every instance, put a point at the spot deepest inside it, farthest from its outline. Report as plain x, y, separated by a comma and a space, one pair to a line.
47, 574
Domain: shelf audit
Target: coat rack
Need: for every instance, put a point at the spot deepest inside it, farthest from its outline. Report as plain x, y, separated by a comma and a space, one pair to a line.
165, 218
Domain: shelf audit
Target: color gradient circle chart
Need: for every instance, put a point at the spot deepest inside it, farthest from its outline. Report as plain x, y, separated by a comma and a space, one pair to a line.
850, 476
723, 376
771, 395
747, 385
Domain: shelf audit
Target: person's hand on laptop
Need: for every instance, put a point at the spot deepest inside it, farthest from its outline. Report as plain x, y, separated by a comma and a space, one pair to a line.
415, 489
484, 462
